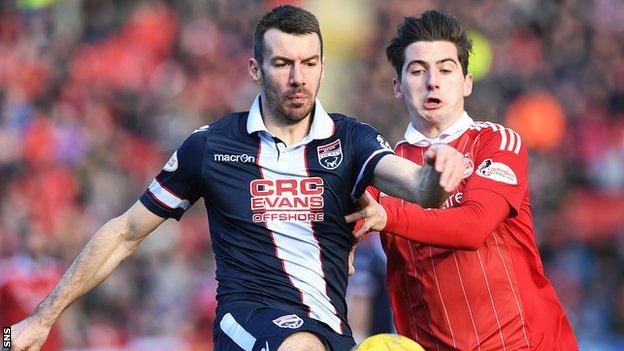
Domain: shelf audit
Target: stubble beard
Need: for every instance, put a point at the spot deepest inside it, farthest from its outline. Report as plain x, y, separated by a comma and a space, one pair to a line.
285, 111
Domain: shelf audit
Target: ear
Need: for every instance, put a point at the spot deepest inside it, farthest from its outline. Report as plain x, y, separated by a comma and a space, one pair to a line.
398, 90
468, 80
323, 60
255, 71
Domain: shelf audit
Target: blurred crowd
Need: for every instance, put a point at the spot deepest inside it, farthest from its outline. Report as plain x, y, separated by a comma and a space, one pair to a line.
96, 94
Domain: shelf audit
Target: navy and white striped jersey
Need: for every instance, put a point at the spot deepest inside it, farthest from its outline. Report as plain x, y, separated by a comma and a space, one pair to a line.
276, 212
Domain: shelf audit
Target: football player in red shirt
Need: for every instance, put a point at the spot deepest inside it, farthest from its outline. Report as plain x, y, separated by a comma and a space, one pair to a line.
467, 276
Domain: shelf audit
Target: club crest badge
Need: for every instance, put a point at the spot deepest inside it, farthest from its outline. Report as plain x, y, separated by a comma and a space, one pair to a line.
172, 164
469, 167
330, 155
291, 321
383, 142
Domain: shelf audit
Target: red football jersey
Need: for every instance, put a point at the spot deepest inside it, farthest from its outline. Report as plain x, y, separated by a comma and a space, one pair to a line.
494, 296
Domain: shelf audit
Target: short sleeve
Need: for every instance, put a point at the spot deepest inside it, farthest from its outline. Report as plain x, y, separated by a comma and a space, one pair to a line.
177, 186
500, 160
369, 147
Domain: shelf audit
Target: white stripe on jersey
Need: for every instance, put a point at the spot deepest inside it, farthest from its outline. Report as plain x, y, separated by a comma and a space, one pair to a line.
515, 295
503, 139
517, 150
437, 282
295, 243
512, 140
237, 332
487, 285
511, 143
463, 289
361, 172
167, 197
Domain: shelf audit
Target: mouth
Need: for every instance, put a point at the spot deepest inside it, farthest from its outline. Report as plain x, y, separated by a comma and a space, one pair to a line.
432, 103
297, 98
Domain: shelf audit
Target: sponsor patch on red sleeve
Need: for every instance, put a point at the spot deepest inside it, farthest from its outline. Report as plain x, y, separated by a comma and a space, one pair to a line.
497, 171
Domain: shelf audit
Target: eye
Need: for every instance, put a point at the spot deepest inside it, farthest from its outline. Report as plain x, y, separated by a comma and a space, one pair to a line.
311, 63
280, 64
446, 70
418, 71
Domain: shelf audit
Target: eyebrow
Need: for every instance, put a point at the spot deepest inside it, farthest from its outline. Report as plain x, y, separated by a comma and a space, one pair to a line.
286, 59
425, 64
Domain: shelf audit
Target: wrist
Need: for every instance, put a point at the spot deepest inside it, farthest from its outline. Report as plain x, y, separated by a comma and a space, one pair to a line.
43, 316
390, 218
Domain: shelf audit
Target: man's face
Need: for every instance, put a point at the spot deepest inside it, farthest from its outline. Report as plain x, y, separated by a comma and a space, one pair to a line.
290, 75
433, 83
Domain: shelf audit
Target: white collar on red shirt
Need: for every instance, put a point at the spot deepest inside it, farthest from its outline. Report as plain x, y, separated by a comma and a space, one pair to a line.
322, 125
454, 131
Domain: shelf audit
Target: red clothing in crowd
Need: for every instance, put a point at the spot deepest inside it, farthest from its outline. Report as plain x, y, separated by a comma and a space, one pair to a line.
469, 276
23, 283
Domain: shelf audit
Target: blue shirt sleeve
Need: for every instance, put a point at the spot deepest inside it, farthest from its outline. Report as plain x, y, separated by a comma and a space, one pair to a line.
369, 147
177, 187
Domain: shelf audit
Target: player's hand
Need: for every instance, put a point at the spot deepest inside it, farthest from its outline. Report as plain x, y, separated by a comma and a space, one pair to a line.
352, 257
371, 212
28, 335
449, 162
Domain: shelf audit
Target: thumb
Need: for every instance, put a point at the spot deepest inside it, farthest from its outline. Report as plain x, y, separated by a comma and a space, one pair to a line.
429, 156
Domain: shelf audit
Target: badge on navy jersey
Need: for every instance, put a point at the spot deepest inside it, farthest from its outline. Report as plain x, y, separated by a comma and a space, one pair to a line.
383, 142
291, 321
330, 155
172, 164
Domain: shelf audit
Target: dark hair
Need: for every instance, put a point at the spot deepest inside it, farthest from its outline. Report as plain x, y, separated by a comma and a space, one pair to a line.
430, 26
289, 19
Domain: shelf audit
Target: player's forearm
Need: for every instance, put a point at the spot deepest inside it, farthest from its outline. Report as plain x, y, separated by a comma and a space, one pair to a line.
464, 227
428, 192
106, 249
402, 178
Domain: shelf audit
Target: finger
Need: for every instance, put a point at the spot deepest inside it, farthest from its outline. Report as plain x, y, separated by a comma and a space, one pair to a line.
442, 166
358, 225
453, 171
459, 172
430, 156
350, 218
359, 234
352, 259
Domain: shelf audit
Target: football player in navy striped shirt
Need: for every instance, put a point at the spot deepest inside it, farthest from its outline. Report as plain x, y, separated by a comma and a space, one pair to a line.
276, 182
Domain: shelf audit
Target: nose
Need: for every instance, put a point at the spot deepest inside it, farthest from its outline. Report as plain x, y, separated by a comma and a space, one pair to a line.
296, 75
433, 81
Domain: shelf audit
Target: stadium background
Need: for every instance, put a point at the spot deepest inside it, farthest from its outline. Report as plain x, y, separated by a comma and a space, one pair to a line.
95, 95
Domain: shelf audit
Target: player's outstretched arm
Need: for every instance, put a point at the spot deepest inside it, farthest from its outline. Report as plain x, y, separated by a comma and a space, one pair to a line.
110, 245
428, 186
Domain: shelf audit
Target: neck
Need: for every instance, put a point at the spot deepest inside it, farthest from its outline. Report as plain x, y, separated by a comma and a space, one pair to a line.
290, 132
431, 128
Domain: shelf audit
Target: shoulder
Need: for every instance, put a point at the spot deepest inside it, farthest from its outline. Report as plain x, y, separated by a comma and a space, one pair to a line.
227, 127
226, 124
346, 123
343, 121
497, 136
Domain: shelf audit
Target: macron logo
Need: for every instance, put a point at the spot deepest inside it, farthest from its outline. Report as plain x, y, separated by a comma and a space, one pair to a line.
244, 158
